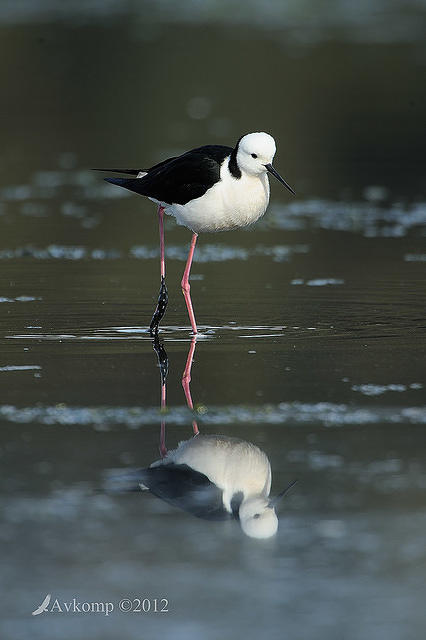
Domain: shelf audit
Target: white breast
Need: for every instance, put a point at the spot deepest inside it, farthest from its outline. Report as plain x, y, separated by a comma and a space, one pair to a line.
229, 204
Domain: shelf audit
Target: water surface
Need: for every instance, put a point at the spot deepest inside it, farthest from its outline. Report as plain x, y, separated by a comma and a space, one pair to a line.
312, 321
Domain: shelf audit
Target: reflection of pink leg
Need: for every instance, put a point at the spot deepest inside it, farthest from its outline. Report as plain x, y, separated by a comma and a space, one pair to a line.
163, 448
185, 284
186, 380
161, 225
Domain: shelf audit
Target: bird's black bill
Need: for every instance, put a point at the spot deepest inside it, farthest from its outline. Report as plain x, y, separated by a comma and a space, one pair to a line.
159, 312
274, 501
276, 175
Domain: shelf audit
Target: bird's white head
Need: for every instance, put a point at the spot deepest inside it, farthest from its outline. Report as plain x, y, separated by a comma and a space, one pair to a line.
258, 518
255, 151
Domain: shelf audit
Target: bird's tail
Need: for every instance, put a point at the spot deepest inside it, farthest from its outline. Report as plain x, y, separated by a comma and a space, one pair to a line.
132, 184
120, 182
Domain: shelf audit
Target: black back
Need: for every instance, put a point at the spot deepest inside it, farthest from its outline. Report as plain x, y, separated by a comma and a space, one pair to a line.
180, 179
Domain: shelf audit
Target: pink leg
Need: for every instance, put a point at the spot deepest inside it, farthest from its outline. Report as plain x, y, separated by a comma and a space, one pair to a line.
163, 448
186, 286
186, 380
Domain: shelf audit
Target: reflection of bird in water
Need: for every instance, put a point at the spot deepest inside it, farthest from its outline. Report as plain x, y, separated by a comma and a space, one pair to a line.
216, 477
211, 188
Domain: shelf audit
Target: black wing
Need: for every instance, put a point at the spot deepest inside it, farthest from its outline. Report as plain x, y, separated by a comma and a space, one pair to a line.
181, 179
182, 487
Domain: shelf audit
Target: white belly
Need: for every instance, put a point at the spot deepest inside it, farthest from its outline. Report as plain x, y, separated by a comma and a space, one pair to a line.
229, 204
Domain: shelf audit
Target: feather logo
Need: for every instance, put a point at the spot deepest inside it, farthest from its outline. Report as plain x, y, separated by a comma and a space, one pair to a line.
43, 606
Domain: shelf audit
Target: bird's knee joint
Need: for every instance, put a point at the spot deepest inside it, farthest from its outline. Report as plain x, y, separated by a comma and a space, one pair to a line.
185, 287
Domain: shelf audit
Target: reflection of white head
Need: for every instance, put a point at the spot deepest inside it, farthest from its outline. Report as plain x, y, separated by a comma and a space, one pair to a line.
258, 518
255, 150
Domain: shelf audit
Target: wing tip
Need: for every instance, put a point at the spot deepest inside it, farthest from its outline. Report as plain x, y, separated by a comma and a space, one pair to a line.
130, 172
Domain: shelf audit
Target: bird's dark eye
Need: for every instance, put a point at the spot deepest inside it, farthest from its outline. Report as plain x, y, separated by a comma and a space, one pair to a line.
254, 155
256, 515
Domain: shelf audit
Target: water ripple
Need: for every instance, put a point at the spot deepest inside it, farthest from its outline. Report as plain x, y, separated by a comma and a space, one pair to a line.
318, 282
19, 367
380, 389
205, 253
20, 299
283, 414
370, 219
173, 333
